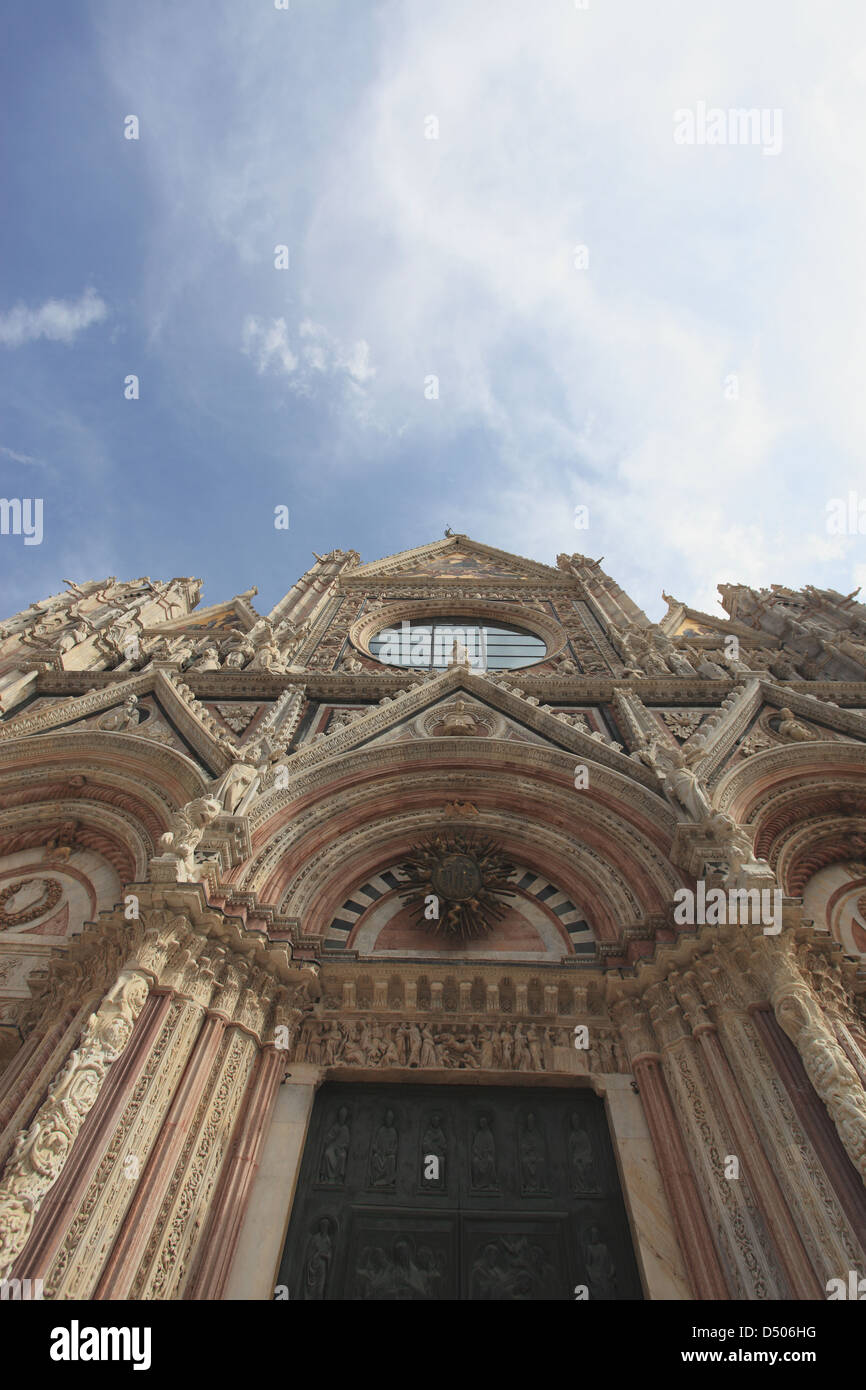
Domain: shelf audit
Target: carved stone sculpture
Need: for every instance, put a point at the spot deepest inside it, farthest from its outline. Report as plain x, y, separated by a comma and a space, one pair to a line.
186, 830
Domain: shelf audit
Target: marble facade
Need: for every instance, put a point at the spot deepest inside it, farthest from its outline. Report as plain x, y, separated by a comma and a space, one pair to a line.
204, 814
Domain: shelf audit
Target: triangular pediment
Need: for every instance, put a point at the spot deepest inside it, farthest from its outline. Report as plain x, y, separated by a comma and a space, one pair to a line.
764, 718
151, 705
217, 617
428, 711
453, 559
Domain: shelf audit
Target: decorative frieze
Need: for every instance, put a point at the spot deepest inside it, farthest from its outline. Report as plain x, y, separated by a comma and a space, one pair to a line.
424, 1045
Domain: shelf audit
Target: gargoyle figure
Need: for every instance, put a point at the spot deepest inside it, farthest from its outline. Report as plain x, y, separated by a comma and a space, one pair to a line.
187, 828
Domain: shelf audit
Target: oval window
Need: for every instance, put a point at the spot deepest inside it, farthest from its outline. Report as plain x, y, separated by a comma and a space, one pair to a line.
432, 644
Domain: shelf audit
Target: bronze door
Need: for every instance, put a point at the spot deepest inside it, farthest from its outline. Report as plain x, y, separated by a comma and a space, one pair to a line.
458, 1192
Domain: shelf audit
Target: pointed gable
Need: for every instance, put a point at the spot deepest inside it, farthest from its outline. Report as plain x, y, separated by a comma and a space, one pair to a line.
455, 558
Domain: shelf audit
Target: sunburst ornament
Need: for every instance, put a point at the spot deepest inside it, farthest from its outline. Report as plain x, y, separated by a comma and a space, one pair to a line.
457, 884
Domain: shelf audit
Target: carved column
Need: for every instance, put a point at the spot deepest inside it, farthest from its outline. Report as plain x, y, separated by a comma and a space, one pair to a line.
800, 1015
813, 1116
696, 1244
42, 1150
231, 1201
831, 1242
747, 1254
851, 1048
165, 1264
92, 1228
37, 1061
790, 1250
128, 1249
68, 1192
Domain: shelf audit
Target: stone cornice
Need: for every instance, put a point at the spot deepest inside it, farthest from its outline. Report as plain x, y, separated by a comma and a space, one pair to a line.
343, 685
160, 904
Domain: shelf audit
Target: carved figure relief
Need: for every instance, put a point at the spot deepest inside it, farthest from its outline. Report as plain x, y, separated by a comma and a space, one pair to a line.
402, 1274
434, 1145
383, 1153
122, 719
532, 1157
600, 1268
335, 1150
511, 1269
483, 1162
581, 1170
513, 1047
317, 1263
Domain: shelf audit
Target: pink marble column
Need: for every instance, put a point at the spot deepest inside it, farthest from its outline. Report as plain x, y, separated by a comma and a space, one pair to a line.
813, 1116
230, 1204
792, 1253
64, 1198
693, 1233
126, 1255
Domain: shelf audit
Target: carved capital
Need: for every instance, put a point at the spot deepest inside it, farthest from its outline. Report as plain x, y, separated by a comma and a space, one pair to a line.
687, 988
633, 1020
667, 1016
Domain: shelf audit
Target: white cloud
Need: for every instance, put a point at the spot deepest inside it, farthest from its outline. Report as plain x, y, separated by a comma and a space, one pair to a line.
16, 458
268, 344
455, 257
59, 320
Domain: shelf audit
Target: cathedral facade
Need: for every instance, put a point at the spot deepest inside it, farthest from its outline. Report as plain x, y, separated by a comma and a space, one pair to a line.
452, 931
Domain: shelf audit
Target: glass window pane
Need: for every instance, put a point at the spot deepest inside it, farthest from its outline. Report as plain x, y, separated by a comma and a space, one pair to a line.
426, 645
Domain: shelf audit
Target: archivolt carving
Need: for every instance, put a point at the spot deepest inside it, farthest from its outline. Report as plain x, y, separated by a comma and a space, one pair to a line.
736, 790
110, 833
542, 801
382, 841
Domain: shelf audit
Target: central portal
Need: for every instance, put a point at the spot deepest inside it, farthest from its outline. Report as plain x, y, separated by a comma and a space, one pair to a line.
458, 1192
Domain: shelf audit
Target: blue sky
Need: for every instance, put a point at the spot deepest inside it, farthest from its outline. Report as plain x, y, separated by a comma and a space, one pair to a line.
606, 385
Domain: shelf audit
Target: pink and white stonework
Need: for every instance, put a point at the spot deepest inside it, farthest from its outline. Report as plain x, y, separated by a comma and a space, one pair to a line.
206, 814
